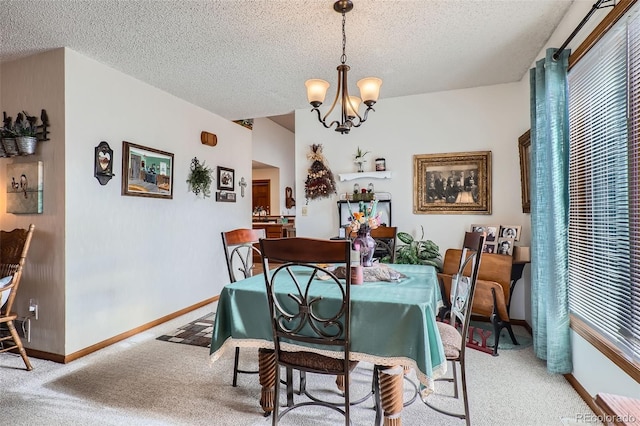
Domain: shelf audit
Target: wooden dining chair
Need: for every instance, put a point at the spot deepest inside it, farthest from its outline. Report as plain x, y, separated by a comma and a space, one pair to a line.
454, 334
302, 313
385, 238
241, 255
14, 246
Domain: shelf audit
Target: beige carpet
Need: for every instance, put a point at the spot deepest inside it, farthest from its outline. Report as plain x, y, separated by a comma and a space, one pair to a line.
144, 381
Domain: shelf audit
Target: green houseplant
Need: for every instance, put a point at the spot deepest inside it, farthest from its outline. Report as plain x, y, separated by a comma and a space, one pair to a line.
200, 178
418, 252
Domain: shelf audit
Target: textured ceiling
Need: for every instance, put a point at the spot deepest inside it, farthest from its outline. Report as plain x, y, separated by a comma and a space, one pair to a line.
250, 58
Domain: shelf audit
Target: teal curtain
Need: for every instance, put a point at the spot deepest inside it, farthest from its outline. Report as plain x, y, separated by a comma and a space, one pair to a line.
550, 212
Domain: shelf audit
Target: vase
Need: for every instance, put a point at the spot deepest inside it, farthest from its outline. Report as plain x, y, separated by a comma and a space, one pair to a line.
366, 245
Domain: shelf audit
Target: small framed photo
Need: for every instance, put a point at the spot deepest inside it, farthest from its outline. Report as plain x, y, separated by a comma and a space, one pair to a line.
505, 246
146, 172
228, 197
478, 228
510, 231
226, 179
489, 248
491, 230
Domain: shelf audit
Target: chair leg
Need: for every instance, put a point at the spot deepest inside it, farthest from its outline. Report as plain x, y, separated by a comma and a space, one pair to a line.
235, 367
513, 336
495, 320
276, 398
289, 387
376, 395
347, 401
464, 393
455, 379
303, 382
18, 342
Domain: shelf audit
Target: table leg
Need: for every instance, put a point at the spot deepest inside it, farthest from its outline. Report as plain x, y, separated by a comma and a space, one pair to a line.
267, 373
340, 382
391, 394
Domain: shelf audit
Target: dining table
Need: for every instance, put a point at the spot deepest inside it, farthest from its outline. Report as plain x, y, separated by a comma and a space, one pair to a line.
393, 326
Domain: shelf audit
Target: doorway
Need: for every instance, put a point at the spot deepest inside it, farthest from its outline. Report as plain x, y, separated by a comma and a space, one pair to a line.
261, 191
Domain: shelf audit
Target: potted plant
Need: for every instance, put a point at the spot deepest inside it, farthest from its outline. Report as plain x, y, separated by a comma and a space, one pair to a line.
359, 159
418, 252
200, 178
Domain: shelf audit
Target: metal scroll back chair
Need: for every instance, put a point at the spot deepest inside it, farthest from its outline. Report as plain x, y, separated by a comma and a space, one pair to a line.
240, 252
309, 306
454, 334
14, 246
385, 238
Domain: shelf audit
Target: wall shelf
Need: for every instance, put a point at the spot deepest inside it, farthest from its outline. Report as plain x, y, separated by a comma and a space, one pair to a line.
364, 175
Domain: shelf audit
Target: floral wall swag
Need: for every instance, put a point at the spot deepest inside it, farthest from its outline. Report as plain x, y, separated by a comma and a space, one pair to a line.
320, 181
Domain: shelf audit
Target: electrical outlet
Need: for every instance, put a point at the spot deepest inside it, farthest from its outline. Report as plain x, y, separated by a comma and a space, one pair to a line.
304, 210
33, 307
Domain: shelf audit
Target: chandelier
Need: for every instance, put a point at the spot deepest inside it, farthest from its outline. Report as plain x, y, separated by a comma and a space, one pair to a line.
349, 105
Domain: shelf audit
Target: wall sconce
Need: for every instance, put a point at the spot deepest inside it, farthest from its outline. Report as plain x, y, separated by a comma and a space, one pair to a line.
103, 163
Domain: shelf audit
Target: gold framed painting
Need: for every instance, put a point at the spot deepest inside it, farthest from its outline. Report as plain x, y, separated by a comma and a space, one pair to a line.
452, 183
524, 147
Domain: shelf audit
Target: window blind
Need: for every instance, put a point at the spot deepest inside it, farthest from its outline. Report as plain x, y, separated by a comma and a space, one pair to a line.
604, 110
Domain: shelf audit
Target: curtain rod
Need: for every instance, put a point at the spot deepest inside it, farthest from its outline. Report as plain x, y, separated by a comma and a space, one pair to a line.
597, 5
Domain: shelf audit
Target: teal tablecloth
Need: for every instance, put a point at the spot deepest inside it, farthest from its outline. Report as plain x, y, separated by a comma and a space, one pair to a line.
392, 323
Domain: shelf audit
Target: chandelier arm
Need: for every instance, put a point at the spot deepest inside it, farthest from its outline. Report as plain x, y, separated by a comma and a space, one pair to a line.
364, 116
338, 91
320, 119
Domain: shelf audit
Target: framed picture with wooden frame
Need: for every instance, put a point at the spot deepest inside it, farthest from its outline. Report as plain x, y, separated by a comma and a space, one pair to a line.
226, 179
453, 183
524, 146
146, 172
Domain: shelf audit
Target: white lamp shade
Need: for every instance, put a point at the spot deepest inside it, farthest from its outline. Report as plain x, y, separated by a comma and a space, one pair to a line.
316, 90
352, 106
369, 88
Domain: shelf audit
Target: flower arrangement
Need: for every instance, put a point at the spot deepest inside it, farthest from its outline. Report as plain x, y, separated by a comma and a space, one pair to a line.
367, 217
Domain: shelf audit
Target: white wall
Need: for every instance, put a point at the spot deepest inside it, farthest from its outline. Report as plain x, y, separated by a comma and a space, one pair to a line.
101, 263
131, 260
274, 145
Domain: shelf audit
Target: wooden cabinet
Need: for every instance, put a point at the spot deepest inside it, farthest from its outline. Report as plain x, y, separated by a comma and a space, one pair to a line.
276, 230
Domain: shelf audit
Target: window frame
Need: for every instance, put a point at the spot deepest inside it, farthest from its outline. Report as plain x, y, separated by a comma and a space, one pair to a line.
602, 344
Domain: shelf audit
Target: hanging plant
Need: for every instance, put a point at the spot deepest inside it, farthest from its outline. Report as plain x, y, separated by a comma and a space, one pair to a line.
200, 178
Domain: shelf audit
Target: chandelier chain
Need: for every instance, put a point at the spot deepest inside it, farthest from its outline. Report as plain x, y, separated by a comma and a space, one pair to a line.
343, 58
